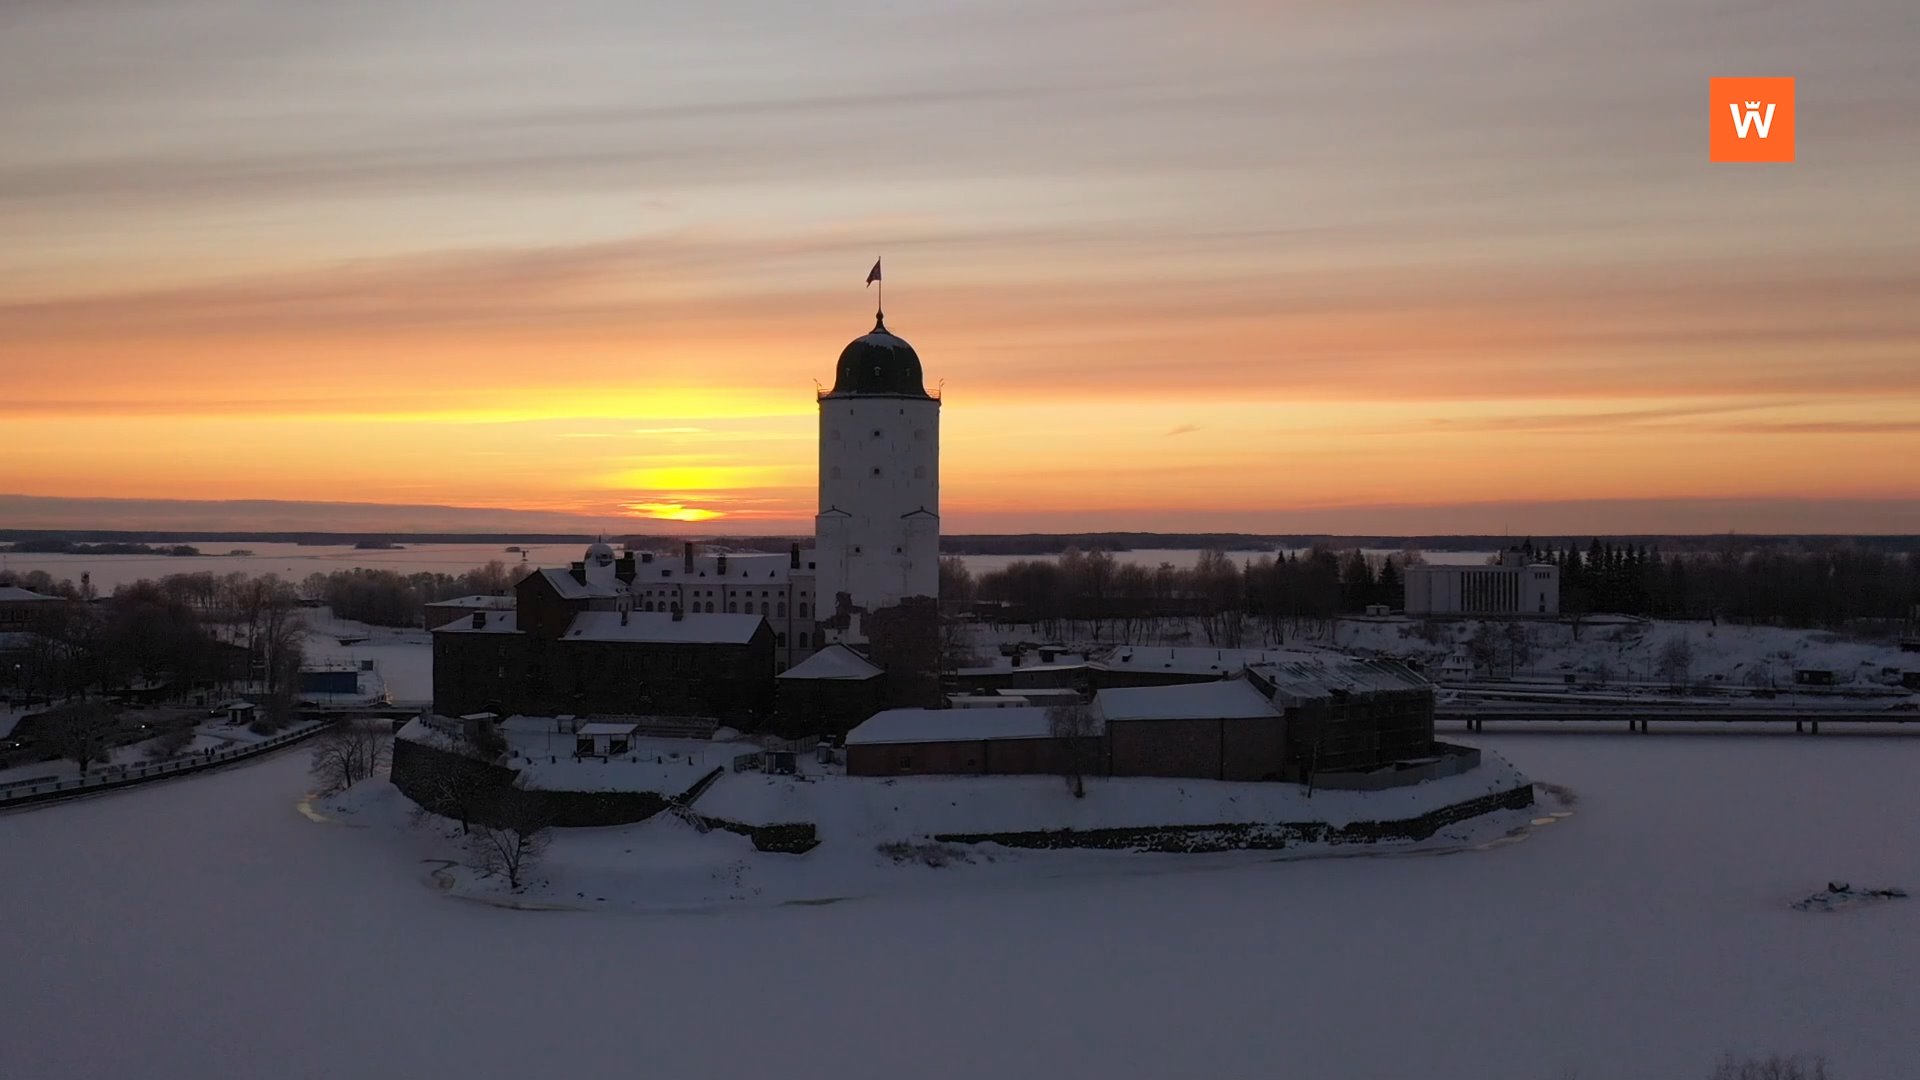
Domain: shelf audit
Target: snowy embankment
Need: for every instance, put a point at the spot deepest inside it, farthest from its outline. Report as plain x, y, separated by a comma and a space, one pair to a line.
876, 810
1624, 651
874, 842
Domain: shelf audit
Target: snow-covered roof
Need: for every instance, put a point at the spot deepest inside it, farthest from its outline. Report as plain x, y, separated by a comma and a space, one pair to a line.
607, 727
661, 626
951, 725
1002, 669
833, 662
501, 622
478, 600
1042, 693
533, 725
15, 592
1197, 660
1226, 700
1319, 677
569, 589
749, 569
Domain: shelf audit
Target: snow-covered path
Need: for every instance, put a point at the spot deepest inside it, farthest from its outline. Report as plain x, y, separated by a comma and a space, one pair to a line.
207, 928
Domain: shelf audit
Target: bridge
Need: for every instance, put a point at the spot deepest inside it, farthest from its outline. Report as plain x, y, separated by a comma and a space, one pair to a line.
1475, 717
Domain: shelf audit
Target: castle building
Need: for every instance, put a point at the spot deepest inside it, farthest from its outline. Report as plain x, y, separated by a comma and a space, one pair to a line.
636, 631
877, 536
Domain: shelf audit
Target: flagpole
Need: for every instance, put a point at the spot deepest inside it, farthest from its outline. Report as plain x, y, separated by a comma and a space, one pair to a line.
880, 305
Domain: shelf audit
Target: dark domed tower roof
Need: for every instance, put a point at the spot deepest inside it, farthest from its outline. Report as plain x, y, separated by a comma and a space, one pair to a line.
878, 365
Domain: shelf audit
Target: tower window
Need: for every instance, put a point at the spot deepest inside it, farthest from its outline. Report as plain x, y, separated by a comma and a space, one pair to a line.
876, 433
876, 470
803, 612
856, 549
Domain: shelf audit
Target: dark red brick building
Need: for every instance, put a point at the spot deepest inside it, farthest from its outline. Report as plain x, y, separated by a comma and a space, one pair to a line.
571, 646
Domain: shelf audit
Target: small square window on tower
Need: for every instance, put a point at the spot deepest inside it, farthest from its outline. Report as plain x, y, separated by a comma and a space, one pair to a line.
876, 470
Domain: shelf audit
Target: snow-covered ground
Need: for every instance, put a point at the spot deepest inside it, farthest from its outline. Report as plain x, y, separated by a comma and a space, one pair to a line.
873, 809
209, 929
1630, 650
402, 658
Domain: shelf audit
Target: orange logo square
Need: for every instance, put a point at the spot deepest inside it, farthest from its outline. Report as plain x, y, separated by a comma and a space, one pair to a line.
1750, 119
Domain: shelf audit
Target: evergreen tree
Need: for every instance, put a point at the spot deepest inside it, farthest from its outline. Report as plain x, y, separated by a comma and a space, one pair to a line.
1390, 590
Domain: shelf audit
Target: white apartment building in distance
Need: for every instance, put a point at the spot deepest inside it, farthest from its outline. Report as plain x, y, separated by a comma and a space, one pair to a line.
1511, 586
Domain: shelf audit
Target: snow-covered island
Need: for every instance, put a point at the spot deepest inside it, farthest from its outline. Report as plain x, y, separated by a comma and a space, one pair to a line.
1301, 755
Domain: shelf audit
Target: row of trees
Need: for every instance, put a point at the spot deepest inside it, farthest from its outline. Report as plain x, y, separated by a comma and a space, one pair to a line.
193, 630
1127, 599
1828, 586
386, 598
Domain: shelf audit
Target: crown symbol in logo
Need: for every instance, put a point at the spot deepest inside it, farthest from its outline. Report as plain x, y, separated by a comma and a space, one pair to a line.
1753, 104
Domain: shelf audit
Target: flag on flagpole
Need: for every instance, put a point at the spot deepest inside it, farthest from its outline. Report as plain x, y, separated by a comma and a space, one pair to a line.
873, 275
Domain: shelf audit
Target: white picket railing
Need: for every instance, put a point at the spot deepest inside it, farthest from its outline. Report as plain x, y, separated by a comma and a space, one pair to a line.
127, 775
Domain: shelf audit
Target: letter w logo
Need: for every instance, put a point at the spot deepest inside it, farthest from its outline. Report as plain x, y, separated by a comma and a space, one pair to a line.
1745, 120
1762, 111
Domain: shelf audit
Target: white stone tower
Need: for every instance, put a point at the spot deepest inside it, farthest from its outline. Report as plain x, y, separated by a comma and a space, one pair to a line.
877, 536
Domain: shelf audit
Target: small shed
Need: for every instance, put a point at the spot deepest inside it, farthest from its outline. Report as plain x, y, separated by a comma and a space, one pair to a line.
604, 738
827, 693
240, 712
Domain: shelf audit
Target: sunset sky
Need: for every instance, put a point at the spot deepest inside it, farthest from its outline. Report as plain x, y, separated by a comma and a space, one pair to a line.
1341, 265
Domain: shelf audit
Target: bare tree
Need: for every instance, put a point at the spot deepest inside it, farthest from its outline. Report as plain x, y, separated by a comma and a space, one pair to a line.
1772, 1067
81, 733
509, 837
957, 643
1518, 646
1676, 661
1076, 729
171, 744
349, 752
1484, 647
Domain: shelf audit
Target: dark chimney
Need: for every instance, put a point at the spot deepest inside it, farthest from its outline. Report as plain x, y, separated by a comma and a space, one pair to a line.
689, 556
793, 556
479, 620
646, 556
623, 569
721, 565
676, 612
579, 572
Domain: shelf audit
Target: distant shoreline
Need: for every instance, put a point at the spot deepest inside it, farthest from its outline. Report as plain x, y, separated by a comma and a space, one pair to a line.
169, 542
